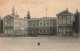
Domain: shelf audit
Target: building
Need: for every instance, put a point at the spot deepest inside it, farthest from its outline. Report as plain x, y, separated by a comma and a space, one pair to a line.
64, 23
14, 25
42, 26
76, 23
61, 25
1, 25
53, 26
33, 26
47, 26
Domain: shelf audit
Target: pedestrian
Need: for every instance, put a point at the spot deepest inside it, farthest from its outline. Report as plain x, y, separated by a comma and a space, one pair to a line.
38, 43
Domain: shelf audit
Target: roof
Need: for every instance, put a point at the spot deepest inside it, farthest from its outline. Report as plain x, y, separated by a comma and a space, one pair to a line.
11, 16
48, 18
44, 18
65, 12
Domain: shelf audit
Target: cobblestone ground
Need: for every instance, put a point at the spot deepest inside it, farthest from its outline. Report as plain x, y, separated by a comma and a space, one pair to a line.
46, 44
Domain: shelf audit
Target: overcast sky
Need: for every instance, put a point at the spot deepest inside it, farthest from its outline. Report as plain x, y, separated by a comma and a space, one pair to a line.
37, 8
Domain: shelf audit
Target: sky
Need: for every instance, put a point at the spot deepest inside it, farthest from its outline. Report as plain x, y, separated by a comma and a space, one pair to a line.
37, 8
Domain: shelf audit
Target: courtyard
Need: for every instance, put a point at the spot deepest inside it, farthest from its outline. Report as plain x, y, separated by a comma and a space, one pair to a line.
46, 43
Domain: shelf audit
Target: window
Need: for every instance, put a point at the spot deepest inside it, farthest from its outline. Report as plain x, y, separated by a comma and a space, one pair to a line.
5, 23
63, 16
68, 29
40, 31
60, 21
8, 31
47, 23
33, 25
68, 21
60, 30
5, 31
44, 23
11, 23
52, 23
11, 31
40, 24
68, 16
43, 31
64, 21
60, 16
5, 20
37, 25
47, 31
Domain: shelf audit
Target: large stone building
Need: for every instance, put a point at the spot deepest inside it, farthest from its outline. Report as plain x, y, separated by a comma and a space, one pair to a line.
47, 26
1, 25
14, 25
42, 26
33, 23
61, 25
76, 23
64, 23
53, 26
33, 26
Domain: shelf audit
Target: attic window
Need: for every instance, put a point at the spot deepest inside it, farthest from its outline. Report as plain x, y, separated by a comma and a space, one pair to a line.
60, 17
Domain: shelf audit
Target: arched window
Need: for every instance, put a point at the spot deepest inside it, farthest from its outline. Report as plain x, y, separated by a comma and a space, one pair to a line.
68, 21
64, 21
60, 21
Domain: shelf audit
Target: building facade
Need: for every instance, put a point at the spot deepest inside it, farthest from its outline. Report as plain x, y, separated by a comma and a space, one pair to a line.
53, 26
1, 25
61, 25
14, 25
47, 26
33, 26
64, 23
42, 26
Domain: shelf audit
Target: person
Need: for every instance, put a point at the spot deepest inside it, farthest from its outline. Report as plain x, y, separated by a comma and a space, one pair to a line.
38, 43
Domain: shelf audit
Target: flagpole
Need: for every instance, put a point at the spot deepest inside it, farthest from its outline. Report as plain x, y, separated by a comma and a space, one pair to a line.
46, 12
